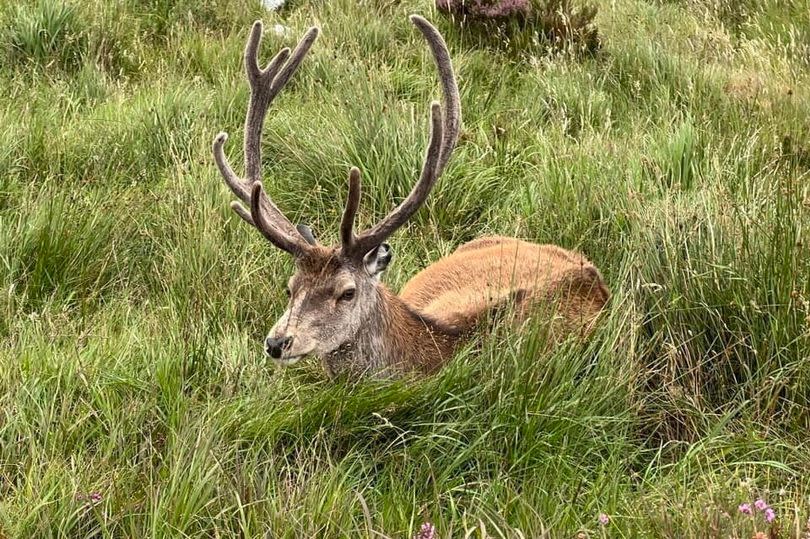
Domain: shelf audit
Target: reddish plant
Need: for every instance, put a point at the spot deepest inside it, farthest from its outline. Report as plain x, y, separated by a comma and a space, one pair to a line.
485, 9
559, 23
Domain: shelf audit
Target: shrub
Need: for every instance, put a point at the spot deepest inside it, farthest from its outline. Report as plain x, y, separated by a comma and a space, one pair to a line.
556, 23
485, 9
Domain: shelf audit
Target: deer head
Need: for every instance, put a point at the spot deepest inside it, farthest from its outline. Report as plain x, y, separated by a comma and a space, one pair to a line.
335, 291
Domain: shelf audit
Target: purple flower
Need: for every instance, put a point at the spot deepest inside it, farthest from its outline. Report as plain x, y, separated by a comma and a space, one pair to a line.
502, 9
92, 498
745, 508
603, 519
760, 504
770, 515
427, 531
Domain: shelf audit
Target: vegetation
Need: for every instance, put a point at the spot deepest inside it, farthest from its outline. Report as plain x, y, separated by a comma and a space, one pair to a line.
518, 25
135, 400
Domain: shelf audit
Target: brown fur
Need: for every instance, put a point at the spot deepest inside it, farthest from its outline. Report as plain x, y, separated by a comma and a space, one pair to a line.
480, 275
439, 308
406, 342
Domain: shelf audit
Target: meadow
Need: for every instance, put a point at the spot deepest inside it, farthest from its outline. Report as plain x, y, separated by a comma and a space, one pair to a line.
135, 399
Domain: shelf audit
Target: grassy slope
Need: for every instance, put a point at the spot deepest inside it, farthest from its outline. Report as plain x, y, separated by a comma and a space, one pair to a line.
132, 302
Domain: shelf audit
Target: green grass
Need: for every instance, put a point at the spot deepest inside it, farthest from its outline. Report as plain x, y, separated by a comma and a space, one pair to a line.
133, 303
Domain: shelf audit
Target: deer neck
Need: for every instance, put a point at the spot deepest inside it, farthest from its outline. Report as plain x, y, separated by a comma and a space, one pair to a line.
394, 340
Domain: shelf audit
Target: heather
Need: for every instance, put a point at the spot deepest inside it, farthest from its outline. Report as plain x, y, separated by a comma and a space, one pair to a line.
135, 400
531, 26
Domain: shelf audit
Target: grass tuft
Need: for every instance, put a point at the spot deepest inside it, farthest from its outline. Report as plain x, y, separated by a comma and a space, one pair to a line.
45, 33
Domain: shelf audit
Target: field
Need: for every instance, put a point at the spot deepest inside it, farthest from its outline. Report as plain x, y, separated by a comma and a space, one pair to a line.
135, 400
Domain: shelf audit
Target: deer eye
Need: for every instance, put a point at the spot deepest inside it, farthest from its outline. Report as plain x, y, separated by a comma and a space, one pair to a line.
287, 291
347, 295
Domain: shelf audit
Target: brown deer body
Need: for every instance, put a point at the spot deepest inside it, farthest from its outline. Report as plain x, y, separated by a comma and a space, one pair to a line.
339, 310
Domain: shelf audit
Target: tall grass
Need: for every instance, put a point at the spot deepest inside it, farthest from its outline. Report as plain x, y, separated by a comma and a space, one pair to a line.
135, 400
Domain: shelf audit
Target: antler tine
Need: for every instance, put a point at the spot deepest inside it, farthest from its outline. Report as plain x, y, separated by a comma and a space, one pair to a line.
350, 211
444, 130
265, 84
294, 245
452, 100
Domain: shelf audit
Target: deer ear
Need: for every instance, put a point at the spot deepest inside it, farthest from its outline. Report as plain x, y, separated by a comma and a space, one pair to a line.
306, 233
377, 260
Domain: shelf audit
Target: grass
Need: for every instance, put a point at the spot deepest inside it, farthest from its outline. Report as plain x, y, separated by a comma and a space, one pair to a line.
133, 302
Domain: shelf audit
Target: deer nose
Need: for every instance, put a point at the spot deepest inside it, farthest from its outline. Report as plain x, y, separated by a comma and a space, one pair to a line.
275, 347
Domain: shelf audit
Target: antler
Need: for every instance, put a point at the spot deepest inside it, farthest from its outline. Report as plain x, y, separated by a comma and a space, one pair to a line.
265, 84
443, 136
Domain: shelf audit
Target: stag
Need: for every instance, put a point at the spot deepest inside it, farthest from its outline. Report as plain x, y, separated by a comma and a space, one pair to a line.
339, 311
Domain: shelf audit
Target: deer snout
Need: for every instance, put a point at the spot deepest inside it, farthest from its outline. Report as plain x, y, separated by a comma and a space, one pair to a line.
275, 347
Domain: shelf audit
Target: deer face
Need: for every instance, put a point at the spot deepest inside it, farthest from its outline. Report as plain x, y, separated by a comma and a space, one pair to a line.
331, 299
